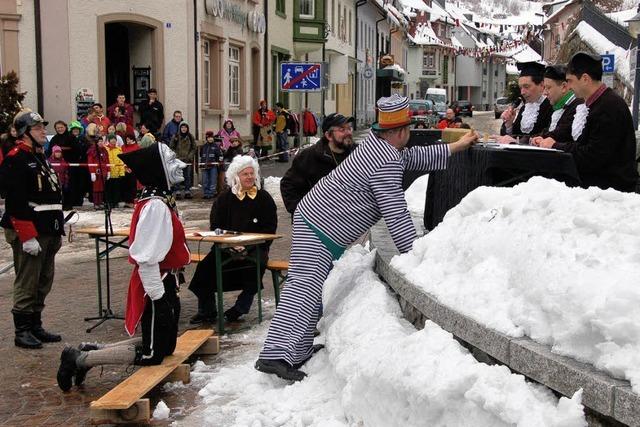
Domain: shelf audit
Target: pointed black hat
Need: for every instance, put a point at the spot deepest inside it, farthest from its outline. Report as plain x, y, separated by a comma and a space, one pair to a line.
147, 165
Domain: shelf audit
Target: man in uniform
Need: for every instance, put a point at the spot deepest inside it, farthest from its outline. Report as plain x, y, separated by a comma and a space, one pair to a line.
535, 116
605, 142
310, 165
33, 223
564, 103
364, 188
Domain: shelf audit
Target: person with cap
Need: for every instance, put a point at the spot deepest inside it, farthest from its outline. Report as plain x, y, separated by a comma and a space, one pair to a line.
535, 116
314, 163
185, 147
33, 223
244, 207
262, 120
564, 103
211, 158
363, 189
152, 112
603, 138
158, 251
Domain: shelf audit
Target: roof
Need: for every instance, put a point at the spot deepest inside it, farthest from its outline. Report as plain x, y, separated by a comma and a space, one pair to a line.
415, 4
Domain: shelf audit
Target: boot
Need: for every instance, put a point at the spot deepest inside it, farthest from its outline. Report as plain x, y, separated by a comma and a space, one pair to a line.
38, 331
24, 337
81, 373
316, 348
279, 368
68, 367
206, 311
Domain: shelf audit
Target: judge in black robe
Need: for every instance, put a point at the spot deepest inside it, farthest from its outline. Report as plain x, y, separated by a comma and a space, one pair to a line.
535, 115
605, 144
256, 212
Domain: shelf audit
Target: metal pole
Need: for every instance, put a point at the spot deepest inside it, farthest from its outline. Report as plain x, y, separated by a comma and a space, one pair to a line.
636, 86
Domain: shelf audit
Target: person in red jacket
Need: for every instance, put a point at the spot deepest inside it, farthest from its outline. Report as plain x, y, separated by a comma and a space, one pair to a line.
263, 120
121, 111
449, 120
98, 159
158, 251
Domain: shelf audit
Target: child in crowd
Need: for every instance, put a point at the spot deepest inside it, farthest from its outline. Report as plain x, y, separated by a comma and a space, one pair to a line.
61, 166
235, 149
130, 185
210, 157
114, 180
98, 159
227, 132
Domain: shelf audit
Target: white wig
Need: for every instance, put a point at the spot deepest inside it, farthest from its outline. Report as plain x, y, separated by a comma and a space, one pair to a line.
238, 164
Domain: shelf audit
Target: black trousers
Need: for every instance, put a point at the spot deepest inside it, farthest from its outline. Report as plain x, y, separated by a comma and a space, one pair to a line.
160, 325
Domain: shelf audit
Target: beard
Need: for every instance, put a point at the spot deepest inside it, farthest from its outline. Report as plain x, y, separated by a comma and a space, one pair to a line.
343, 143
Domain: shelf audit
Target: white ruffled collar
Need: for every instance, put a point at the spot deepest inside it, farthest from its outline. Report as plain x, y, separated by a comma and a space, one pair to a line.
579, 121
530, 115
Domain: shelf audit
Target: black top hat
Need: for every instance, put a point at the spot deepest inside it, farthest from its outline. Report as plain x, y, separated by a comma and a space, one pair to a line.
533, 69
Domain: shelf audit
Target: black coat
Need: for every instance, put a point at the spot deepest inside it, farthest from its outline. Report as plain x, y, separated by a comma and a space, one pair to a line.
257, 215
152, 115
562, 132
605, 153
308, 167
542, 122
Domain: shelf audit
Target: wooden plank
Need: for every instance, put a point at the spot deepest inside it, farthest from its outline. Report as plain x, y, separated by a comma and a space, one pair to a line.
195, 258
181, 373
277, 265
125, 394
139, 412
212, 346
100, 231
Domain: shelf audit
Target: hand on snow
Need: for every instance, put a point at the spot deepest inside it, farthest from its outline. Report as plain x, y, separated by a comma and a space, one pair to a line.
31, 246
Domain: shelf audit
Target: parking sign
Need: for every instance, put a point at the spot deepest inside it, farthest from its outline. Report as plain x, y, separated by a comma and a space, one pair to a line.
608, 63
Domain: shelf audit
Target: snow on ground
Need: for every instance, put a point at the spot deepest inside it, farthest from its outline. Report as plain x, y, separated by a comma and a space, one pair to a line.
376, 370
557, 264
272, 186
416, 195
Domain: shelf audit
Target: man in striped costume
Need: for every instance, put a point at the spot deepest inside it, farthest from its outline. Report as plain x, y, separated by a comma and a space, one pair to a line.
364, 188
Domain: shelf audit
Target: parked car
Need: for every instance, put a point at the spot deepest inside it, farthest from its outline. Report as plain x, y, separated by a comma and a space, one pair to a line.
423, 110
462, 107
500, 106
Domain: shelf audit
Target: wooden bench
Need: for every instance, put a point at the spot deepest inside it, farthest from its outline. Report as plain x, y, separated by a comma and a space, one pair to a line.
125, 402
278, 269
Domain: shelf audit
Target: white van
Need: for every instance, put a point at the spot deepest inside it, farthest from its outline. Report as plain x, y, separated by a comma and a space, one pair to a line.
439, 98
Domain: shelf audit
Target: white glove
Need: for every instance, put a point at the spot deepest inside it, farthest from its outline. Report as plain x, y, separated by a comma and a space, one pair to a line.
151, 280
31, 246
108, 175
93, 177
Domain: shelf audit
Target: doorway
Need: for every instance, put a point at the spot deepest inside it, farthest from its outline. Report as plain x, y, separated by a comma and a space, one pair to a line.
118, 73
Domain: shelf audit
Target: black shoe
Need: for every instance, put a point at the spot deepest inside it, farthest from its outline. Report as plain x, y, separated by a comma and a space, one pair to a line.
280, 368
316, 332
81, 373
316, 348
202, 318
24, 338
68, 367
39, 332
232, 315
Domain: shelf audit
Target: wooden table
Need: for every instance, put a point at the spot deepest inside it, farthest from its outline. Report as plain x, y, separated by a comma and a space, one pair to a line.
219, 242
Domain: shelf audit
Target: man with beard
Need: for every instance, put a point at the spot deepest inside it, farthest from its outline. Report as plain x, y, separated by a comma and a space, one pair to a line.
312, 164
564, 103
535, 116
604, 146
158, 251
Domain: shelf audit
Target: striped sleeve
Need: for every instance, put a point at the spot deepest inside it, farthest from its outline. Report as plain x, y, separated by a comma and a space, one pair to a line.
426, 158
386, 185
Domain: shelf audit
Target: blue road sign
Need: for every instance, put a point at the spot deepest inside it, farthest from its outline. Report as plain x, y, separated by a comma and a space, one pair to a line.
301, 76
608, 63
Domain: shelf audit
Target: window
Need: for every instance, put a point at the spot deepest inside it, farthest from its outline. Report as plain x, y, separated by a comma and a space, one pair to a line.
307, 9
429, 60
234, 77
280, 6
206, 71
349, 29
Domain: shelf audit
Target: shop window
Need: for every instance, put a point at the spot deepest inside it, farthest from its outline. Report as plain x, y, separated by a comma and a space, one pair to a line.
307, 9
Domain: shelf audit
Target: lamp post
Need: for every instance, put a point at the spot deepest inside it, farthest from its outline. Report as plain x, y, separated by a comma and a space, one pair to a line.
634, 30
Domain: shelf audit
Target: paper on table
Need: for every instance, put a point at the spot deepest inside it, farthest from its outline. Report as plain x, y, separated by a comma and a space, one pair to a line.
527, 147
205, 233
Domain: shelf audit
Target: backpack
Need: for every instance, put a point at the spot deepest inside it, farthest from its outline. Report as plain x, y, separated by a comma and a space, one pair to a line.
293, 124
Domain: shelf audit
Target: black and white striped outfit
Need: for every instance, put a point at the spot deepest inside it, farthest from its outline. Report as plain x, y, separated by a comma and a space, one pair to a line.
364, 188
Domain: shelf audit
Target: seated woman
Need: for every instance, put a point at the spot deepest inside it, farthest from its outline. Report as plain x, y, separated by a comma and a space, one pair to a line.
246, 208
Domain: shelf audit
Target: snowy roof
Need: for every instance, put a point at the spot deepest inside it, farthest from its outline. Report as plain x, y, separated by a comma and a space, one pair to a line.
557, 12
600, 45
456, 43
396, 16
425, 35
622, 16
512, 69
415, 4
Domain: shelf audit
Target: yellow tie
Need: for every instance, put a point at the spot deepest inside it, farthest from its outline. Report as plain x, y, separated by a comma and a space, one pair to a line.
252, 193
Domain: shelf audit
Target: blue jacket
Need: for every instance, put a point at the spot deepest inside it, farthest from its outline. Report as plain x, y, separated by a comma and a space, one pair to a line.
170, 129
210, 153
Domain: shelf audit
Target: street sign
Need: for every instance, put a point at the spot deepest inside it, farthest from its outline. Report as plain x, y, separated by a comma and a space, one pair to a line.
301, 76
608, 63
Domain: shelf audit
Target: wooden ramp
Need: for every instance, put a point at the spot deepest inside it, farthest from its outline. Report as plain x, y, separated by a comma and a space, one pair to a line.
125, 403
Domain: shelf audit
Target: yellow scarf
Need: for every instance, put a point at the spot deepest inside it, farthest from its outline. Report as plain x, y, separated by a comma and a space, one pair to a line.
252, 193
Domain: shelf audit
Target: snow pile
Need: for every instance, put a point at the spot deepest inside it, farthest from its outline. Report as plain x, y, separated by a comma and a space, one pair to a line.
161, 412
377, 370
599, 43
272, 186
416, 195
540, 259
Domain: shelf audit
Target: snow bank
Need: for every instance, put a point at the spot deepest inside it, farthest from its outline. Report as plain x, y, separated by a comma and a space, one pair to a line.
272, 186
557, 264
599, 43
376, 370
416, 195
